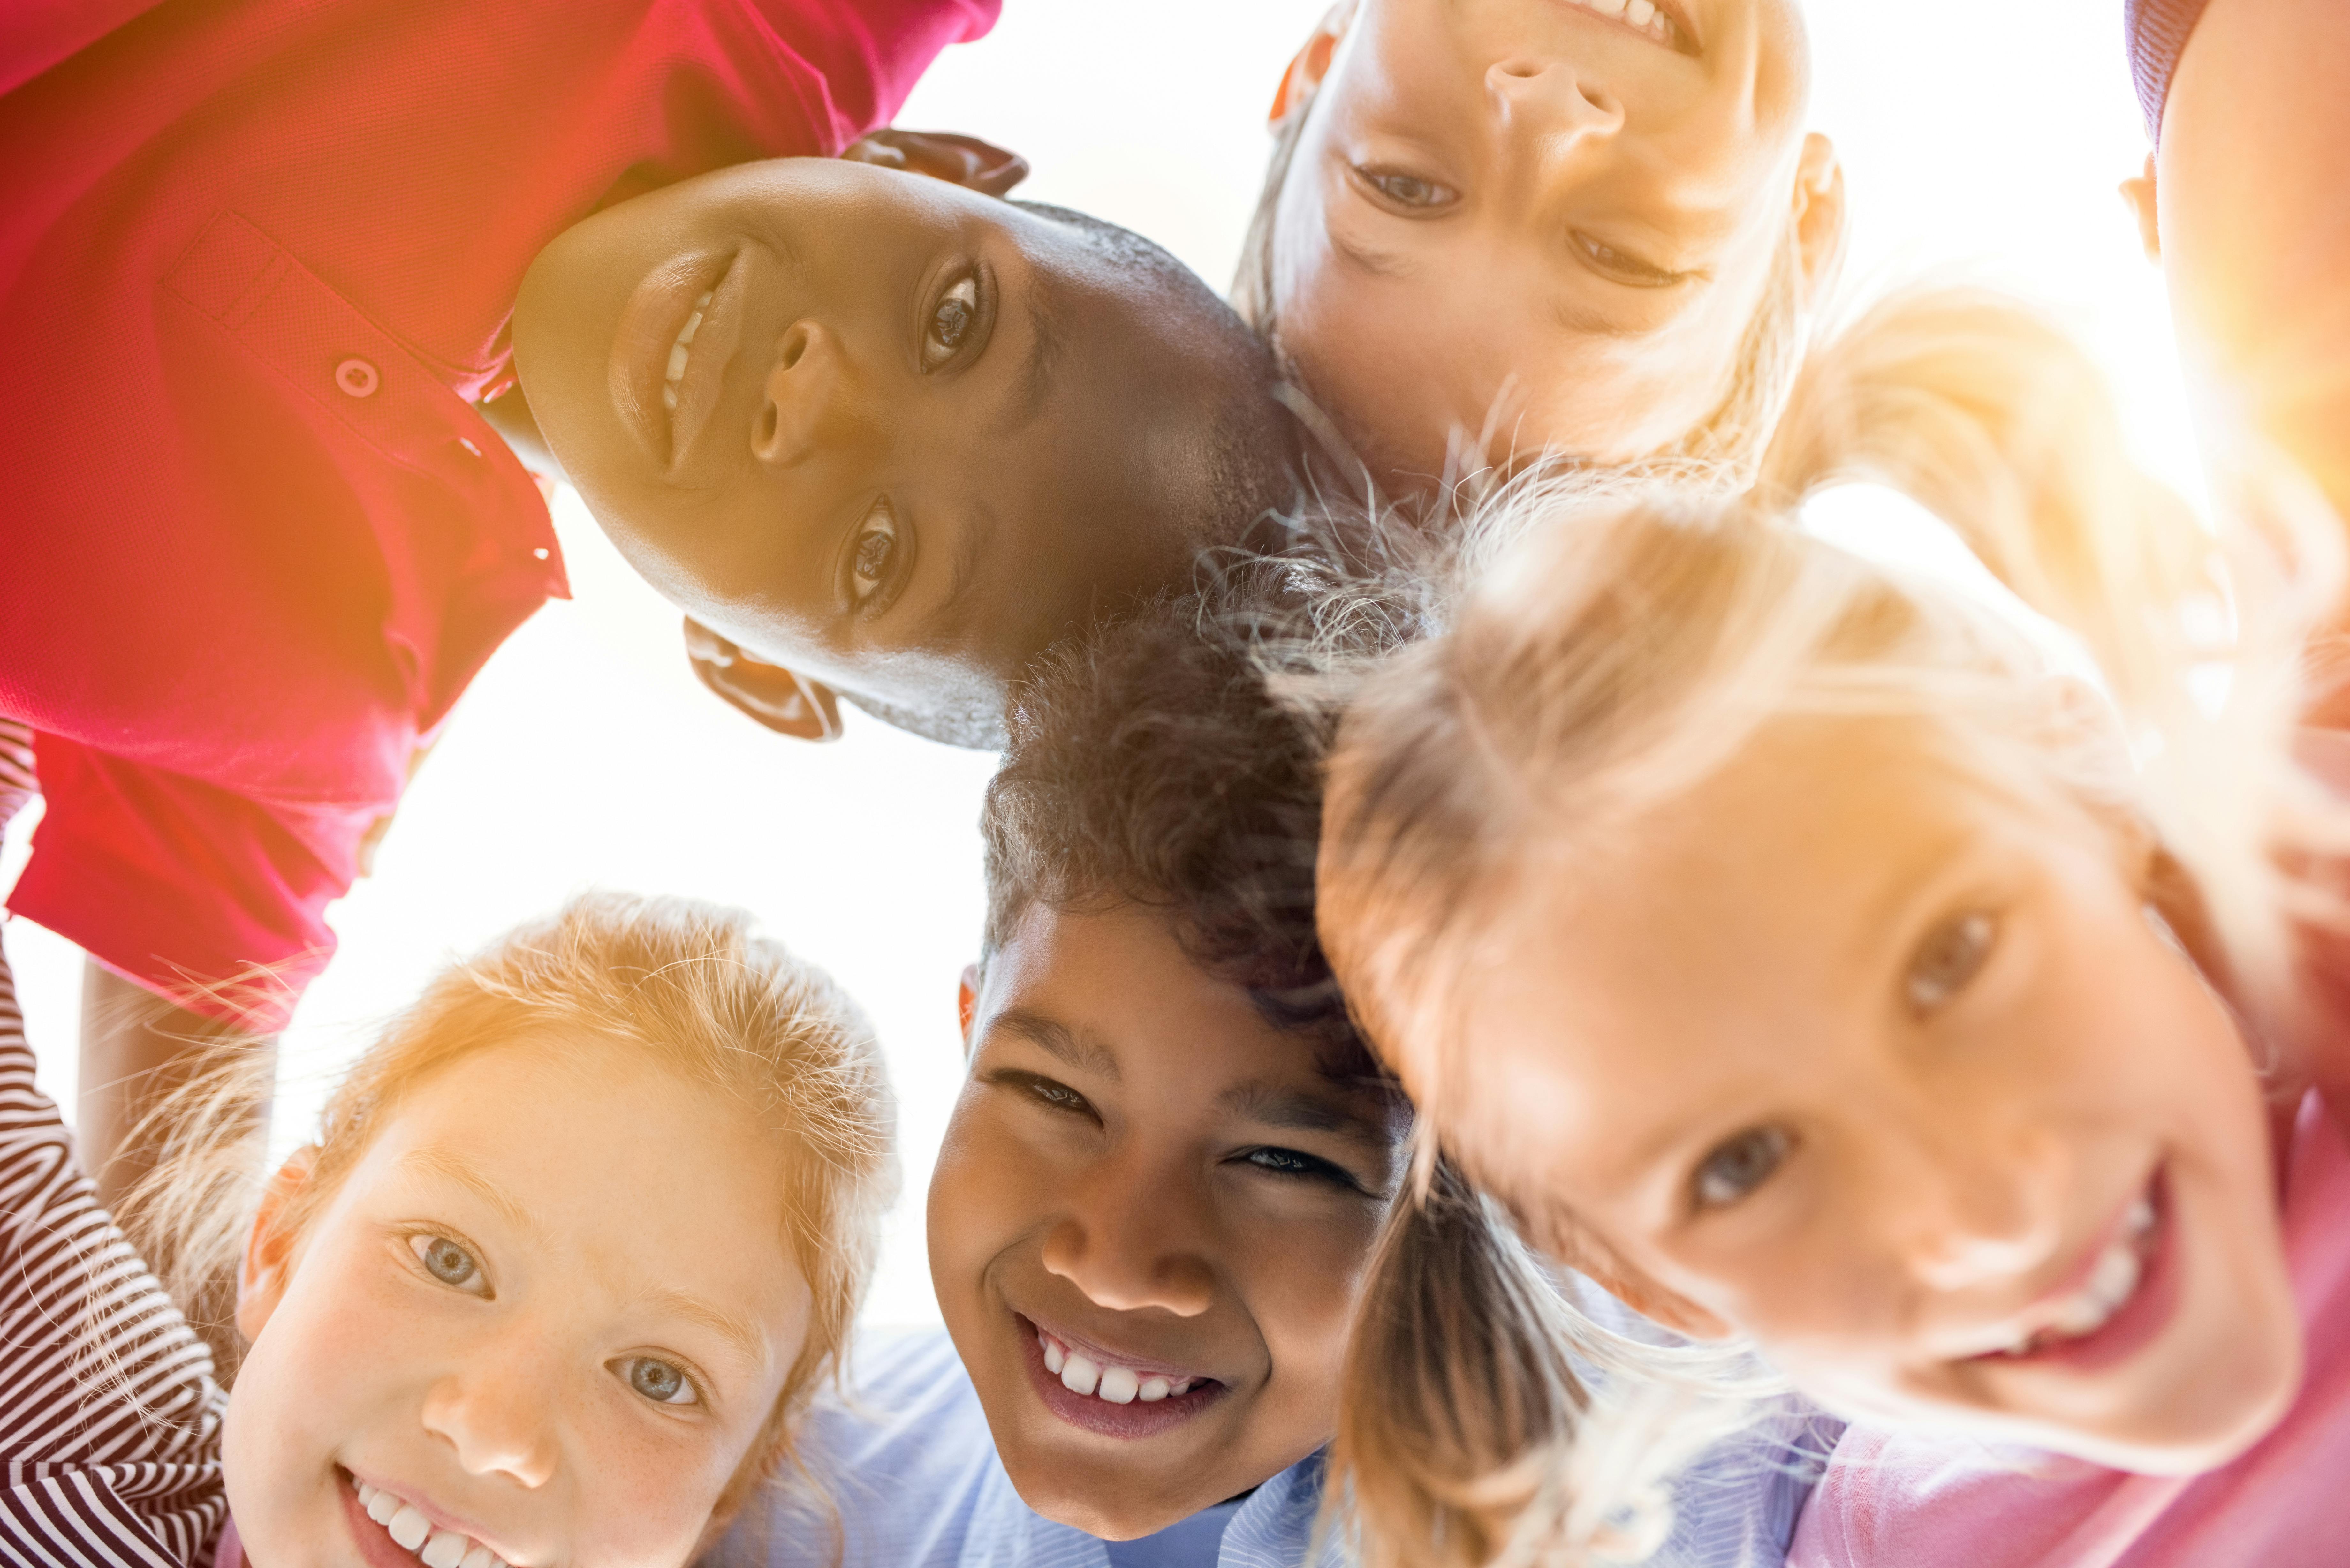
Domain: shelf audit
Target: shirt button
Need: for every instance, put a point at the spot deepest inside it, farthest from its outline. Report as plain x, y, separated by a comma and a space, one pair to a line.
356, 377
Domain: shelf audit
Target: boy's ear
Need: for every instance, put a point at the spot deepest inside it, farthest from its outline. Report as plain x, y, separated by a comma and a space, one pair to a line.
967, 1001
268, 1265
965, 161
1819, 215
1306, 67
784, 700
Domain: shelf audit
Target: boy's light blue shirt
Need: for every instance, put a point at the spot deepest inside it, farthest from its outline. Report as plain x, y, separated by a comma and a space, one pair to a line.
910, 1466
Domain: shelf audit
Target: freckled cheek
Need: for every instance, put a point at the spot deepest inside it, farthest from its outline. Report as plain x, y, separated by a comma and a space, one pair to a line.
650, 1492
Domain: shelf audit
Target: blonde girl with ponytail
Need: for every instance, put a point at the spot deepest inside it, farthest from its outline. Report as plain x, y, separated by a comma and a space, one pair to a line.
1797, 946
578, 1239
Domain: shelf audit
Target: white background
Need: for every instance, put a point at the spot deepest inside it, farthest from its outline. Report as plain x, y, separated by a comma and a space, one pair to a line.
1986, 138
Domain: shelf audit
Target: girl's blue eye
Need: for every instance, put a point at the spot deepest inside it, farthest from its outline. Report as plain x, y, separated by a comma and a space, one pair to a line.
663, 1382
1952, 954
1407, 190
1737, 1165
447, 1261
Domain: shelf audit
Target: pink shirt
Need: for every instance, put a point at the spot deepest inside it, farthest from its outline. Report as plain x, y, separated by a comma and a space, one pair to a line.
1922, 1500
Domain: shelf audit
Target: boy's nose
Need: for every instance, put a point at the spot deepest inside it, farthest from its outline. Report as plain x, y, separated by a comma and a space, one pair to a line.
799, 394
1127, 1273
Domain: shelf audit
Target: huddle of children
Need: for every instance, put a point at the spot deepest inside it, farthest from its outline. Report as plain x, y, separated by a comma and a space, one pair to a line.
1566, 1020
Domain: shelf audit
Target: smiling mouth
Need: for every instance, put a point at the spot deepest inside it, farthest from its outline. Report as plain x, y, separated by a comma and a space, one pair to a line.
1094, 1390
410, 1529
2115, 1294
1645, 17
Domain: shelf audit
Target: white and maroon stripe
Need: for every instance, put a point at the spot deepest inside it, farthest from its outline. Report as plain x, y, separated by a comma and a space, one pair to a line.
109, 1419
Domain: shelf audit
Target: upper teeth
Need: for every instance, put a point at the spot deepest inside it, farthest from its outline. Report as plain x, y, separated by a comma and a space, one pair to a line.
1641, 14
681, 350
406, 1524
1081, 1374
2113, 1279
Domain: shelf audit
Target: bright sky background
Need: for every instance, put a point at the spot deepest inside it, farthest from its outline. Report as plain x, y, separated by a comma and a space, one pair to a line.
1987, 139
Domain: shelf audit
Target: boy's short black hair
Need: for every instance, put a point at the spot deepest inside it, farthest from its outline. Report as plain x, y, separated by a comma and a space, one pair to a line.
1151, 762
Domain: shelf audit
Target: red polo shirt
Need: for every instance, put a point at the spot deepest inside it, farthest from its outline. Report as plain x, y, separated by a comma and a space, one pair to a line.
258, 259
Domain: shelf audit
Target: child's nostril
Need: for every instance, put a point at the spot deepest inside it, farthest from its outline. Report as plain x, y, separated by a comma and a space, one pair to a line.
794, 346
767, 419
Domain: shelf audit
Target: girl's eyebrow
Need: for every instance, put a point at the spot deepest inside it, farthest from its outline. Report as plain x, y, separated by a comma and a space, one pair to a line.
744, 1334
450, 1166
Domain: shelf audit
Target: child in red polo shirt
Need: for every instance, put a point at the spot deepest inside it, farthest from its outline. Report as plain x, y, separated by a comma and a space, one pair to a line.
259, 266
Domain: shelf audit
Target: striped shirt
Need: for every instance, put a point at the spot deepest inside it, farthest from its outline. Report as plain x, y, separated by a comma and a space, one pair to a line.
2157, 32
109, 1419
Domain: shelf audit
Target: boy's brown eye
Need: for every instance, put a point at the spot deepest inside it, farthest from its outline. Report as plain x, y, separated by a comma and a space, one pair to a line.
1952, 954
1407, 190
872, 554
950, 323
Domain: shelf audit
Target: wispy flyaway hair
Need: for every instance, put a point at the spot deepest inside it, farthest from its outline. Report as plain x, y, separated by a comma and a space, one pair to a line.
688, 986
1616, 643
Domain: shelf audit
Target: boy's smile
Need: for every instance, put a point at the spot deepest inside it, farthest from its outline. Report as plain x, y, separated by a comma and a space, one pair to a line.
892, 433
1147, 1225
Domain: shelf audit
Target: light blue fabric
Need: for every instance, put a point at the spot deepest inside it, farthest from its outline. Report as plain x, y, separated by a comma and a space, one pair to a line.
909, 1466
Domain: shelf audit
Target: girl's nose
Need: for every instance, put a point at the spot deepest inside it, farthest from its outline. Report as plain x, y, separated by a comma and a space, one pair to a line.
802, 389
1974, 1222
1549, 100
496, 1417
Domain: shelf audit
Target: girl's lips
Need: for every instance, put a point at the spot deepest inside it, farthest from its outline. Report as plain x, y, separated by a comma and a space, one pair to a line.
649, 322
375, 1541
2132, 1325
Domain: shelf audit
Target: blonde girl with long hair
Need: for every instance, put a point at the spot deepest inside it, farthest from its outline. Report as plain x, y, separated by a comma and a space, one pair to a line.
578, 1238
1799, 948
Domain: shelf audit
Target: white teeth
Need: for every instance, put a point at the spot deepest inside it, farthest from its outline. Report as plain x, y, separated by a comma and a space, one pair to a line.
409, 1527
1607, 8
679, 353
406, 1525
1639, 12
2140, 1219
1081, 1374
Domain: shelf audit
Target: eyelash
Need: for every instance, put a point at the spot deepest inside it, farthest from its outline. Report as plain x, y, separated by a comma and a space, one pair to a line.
1377, 182
967, 290
470, 1254
1059, 1096
1629, 270
890, 566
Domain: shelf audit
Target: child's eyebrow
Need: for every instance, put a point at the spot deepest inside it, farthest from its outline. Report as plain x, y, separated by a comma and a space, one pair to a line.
1295, 1110
743, 1334
451, 1167
1058, 1039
